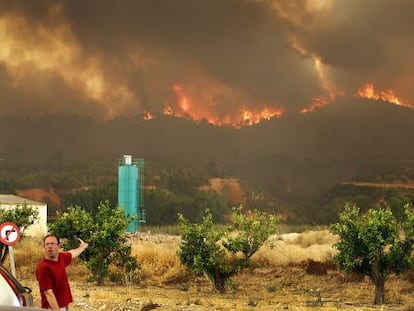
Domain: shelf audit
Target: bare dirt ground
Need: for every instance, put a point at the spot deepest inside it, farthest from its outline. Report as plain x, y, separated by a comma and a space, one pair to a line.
297, 273
40, 195
284, 288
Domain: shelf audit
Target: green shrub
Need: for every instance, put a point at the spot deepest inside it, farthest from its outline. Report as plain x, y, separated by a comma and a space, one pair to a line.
105, 234
374, 244
220, 252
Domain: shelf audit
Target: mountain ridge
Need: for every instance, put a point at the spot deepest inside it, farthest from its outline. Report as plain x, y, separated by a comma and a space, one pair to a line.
299, 155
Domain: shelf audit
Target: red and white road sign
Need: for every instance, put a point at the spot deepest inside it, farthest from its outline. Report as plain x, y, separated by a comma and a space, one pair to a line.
9, 233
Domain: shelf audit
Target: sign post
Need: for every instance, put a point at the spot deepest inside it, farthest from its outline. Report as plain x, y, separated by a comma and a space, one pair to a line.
10, 235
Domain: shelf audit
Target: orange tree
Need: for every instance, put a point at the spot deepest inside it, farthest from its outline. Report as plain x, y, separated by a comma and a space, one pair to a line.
221, 252
105, 234
23, 216
374, 244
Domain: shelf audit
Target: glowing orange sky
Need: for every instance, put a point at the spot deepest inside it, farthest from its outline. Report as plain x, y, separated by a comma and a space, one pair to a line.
257, 61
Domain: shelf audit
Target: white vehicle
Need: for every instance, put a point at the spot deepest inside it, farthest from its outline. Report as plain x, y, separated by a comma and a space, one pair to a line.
12, 292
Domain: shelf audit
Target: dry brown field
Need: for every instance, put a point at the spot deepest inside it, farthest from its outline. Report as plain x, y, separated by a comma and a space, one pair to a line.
292, 272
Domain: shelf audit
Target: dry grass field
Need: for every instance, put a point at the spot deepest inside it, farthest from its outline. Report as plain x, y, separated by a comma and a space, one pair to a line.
292, 272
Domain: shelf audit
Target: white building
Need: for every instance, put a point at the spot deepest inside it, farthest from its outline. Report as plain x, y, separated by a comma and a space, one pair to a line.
39, 228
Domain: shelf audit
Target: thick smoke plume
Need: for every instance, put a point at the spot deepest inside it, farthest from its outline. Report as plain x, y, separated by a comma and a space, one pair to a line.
230, 62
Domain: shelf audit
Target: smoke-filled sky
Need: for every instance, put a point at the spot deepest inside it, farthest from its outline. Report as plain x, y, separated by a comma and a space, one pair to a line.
231, 62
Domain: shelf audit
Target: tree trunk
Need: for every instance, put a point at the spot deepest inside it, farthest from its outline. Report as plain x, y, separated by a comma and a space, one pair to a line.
379, 281
219, 282
379, 291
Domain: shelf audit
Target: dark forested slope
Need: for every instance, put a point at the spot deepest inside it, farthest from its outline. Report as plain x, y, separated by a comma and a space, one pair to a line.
295, 158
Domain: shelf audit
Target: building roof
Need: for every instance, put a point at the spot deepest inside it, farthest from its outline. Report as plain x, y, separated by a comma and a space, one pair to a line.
14, 199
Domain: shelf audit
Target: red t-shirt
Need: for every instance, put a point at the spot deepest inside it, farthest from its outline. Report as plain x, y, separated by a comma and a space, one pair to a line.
52, 275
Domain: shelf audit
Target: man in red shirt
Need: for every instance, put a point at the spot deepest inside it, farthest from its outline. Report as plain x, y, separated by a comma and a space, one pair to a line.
51, 273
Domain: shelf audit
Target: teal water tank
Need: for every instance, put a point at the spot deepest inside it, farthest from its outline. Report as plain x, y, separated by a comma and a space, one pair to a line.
130, 190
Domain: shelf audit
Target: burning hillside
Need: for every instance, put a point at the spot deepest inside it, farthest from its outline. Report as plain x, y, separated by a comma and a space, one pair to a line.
238, 64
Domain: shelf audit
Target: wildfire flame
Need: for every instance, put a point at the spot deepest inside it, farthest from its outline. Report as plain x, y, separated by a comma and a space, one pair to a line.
185, 107
168, 111
148, 115
182, 99
323, 75
368, 91
317, 102
251, 117
320, 101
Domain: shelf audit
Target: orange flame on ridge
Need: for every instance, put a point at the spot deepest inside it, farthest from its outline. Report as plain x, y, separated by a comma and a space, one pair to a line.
251, 117
317, 103
168, 111
245, 117
320, 101
184, 107
368, 91
148, 115
326, 83
182, 98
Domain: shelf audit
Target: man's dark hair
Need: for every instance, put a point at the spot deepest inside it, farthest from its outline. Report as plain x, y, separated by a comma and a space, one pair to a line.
49, 235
